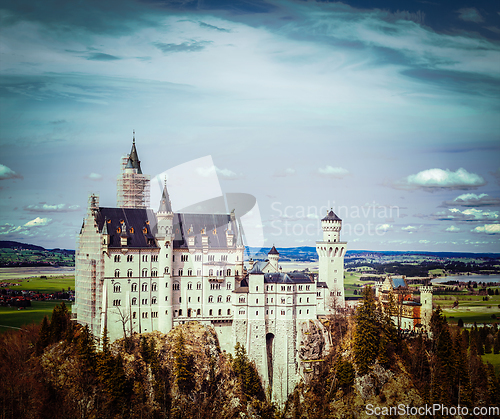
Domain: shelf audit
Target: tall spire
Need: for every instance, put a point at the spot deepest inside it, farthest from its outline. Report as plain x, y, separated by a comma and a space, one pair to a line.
165, 205
133, 160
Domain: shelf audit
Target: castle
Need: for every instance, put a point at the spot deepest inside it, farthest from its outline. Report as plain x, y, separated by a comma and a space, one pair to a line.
138, 271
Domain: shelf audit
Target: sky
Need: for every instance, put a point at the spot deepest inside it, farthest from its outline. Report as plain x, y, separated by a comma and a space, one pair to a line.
386, 112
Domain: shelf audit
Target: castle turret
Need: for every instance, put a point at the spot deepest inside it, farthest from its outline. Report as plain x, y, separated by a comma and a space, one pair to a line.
426, 308
331, 253
273, 257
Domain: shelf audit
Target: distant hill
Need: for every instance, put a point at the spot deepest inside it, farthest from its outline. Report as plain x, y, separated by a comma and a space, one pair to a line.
14, 254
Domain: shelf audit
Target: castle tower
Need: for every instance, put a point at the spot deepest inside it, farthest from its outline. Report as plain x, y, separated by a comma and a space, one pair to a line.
426, 308
273, 257
331, 253
165, 217
132, 185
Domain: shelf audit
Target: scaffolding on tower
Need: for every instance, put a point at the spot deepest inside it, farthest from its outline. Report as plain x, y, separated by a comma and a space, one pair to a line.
133, 189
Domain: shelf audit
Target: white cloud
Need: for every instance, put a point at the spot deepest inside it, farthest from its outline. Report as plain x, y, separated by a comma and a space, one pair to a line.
470, 214
38, 222
6, 173
9, 228
94, 176
283, 173
473, 200
470, 14
439, 178
488, 229
51, 208
333, 172
452, 229
384, 227
409, 229
225, 174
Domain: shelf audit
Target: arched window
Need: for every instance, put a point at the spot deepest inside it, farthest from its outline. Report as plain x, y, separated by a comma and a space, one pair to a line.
144, 273
228, 272
228, 299
228, 311
190, 286
176, 286
219, 299
198, 286
220, 312
144, 287
117, 258
117, 273
211, 299
211, 272
228, 286
210, 312
154, 300
117, 288
180, 312
129, 273
130, 258
198, 312
154, 286
154, 272
134, 287
134, 301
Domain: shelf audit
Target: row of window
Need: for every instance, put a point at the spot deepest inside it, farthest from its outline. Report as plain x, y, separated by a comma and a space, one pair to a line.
283, 287
130, 273
242, 312
198, 258
130, 258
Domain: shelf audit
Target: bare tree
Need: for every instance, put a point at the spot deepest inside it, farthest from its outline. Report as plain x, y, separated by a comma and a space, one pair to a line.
124, 319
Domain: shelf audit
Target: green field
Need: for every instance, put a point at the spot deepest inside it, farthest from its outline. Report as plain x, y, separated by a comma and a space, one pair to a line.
12, 317
45, 285
493, 360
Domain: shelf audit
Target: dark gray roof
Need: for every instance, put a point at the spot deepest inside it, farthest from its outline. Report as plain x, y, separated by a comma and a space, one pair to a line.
215, 226
289, 278
399, 282
273, 251
331, 216
165, 205
322, 285
133, 159
257, 267
140, 225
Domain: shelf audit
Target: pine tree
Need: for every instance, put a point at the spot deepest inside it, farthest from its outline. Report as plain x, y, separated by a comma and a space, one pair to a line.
345, 373
366, 336
496, 344
182, 366
44, 336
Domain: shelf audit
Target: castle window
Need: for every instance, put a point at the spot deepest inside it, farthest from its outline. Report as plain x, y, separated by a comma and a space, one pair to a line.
117, 302
144, 315
190, 272
300, 311
228, 311
144, 287
134, 301
130, 258
228, 299
129, 273
308, 287
282, 288
282, 301
117, 258
189, 299
166, 269
242, 312
144, 258
154, 314
271, 287
154, 258
180, 272
173, 258
307, 311
199, 299
154, 286
134, 315
134, 287
256, 301
237, 273
289, 288
211, 299
144, 273
318, 294
180, 312
176, 286
211, 258
117, 273
282, 312
154, 272
271, 311
166, 297
190, 286
210, 312
307, 299
300, 299
256, 313
219, 299
223, 258
220, 312
198, 272
144, 301
228, 286
198, 312
228, 272
184, 258
211, 272
242, 299
339, 293
300, 287
117, 288
256, 288
198, 286
272, 300
197, 258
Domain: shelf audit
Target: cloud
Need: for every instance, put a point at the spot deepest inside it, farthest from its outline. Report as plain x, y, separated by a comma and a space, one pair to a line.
94, 176
225, 174
208, 26
432, 179
38, 222
51, 208
384, 227
470, 14
192, 46
9, 228
284, 173
470, 214
6, 173
333, 172
472, 200
488, 229
453, 229
409, 229
100, 56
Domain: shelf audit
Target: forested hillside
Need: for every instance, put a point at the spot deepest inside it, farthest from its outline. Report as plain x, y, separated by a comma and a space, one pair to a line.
55, 370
